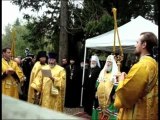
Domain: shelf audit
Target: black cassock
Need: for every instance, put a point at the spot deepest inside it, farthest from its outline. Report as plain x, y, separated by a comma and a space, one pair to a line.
27, 66
73, 86
90, 89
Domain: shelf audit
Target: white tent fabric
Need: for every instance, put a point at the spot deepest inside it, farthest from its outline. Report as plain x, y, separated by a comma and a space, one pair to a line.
128, 34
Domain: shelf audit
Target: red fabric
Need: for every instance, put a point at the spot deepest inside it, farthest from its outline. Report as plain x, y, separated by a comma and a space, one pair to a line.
103, 116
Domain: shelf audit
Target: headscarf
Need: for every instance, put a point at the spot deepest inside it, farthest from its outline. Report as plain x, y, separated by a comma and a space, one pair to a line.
95, 58
114, 70
27, 51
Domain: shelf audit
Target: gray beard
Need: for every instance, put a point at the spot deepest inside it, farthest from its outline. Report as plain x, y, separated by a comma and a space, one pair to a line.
93, 66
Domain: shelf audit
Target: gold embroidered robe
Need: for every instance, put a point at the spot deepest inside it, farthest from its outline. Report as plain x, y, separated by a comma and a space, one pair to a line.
36, 68
135, 97
9, 85
44, 84
104, 90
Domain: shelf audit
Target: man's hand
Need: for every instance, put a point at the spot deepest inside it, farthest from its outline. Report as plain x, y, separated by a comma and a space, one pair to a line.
116, 78
9, 71
22, 81
122, 76
119, 77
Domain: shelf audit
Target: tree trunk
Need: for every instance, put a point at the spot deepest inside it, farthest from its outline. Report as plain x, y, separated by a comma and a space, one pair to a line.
63, 42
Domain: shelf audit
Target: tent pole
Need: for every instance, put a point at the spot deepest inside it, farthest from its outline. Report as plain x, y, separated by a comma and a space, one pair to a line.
84, 61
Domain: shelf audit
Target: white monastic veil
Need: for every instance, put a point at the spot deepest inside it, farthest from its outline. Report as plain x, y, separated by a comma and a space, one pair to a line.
114, 70
95, 58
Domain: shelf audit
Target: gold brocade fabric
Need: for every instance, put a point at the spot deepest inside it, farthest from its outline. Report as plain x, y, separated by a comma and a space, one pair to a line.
134, 96
44, 85
36, 68
9, 85
104, 90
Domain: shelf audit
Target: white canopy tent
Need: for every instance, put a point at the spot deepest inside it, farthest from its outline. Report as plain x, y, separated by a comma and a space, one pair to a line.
128, 34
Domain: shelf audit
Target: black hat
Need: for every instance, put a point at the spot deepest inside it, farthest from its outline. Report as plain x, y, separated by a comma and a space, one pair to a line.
52, 55
42, 54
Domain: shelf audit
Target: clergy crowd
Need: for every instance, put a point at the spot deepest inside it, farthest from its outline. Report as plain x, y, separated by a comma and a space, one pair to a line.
106, 92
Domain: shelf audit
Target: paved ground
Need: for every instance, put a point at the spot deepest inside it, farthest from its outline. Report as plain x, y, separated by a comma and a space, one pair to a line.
72, 111
77, 112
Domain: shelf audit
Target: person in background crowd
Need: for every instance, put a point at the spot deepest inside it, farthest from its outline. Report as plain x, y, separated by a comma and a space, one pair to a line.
27, 65
11, 75
86, 64
19, 63
90, 83
51, 88
40, 61
137, 92
64, 62
27, 51
86, 72
73, 85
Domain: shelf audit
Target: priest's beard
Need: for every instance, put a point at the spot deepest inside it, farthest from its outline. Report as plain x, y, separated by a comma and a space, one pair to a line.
51, 65
92, 65
108, 69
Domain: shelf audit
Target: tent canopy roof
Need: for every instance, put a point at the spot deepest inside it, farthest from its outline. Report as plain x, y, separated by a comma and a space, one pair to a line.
128, 34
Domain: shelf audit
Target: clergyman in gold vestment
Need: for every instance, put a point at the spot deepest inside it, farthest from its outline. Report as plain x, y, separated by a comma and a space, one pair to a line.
11, 74
52, 89
106, 88
137, 92
40, 62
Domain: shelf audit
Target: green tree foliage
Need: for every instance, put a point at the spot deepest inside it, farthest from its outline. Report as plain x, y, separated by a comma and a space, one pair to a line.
94, 18
20, 43
96, 27
97, 18
48, 26
44, 29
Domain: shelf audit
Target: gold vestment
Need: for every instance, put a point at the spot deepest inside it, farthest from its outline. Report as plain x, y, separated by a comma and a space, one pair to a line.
9, 84
137, 94
44, 85
36, 68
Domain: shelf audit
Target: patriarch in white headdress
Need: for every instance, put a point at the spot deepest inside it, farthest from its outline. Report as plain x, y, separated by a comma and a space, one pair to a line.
95, 61
109, 67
